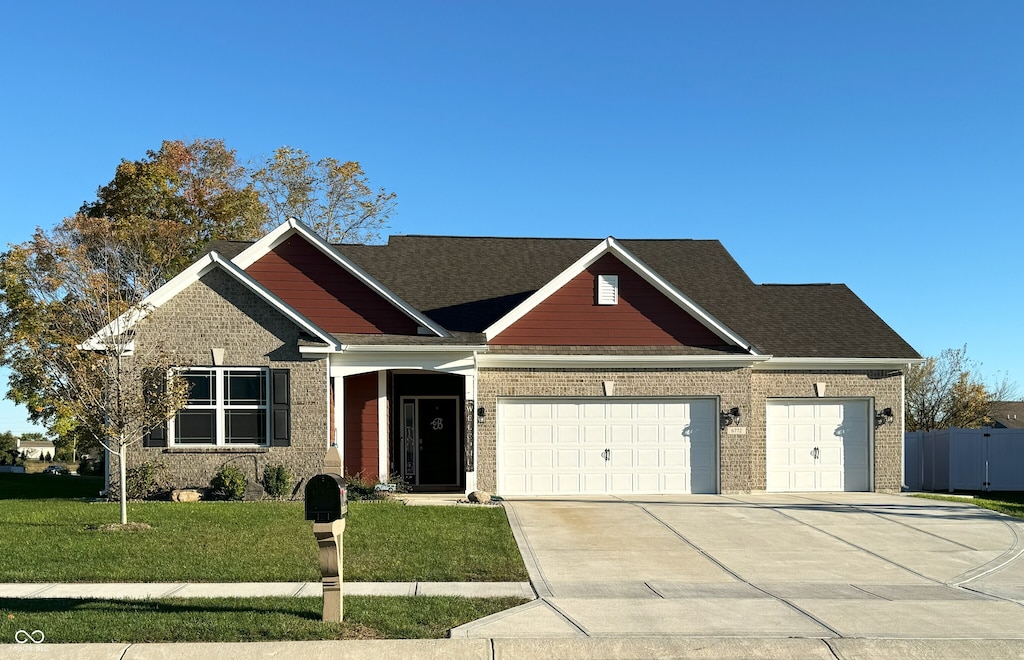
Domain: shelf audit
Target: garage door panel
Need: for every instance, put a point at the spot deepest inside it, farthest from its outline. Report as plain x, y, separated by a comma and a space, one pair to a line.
648, 434
648, 458
567, 435
619, 410
541, 458
648, 482
703, 481
620, 458
818, 445
655, 446
569, 458
568, 483
594, 483
674, 458
539, 411
540, 435
516, 458
621, 435
653, 410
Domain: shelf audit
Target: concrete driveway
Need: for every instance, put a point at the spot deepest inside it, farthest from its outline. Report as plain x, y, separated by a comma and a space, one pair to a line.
828, 566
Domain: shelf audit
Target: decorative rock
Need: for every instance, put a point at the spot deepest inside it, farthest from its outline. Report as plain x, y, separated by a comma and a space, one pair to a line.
185, 495
480, 497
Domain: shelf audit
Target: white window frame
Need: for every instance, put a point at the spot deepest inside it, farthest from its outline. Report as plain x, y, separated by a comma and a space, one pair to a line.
221, 407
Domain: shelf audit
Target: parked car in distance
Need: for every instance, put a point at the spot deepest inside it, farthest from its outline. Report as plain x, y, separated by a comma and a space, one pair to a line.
54, 469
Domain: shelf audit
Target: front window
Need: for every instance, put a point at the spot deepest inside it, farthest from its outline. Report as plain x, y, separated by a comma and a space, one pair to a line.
226, 406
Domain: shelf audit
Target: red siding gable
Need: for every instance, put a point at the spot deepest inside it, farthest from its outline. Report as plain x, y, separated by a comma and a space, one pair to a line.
643, 316
325, 293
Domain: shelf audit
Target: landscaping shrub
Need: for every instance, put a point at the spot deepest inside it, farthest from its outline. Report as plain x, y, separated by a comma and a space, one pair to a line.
144, 481
277, 480
229, 483
360, 488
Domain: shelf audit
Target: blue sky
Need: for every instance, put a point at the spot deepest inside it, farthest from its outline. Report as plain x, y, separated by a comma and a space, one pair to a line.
879, 144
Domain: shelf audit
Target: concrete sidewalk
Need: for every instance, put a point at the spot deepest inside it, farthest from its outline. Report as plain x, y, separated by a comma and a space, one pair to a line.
142, 590
618, 648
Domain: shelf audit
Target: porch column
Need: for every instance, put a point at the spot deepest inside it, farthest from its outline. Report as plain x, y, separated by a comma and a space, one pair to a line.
383, 423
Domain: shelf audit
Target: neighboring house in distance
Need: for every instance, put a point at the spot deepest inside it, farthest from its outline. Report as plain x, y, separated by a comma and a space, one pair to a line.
526, 366
36, 449
1007, 415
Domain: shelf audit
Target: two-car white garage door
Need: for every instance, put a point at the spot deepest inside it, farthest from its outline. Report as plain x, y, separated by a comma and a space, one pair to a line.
599, 446
670, 446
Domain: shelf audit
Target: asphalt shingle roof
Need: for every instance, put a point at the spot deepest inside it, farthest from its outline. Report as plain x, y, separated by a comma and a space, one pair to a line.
1008, 414
467, 283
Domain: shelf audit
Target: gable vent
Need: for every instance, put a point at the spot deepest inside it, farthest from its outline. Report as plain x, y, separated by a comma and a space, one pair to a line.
607, 289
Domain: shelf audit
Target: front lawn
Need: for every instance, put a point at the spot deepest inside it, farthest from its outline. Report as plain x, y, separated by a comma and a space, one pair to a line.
240, 619
1010, 503
50, 540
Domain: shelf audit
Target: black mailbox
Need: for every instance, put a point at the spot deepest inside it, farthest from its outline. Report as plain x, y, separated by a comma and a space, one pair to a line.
326, 498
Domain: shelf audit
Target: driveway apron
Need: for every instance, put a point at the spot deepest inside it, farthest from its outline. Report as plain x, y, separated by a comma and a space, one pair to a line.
831, 566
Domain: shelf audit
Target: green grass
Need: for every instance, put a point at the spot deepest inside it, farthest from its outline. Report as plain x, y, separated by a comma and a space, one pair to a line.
49, 540
240, 619
1010, 503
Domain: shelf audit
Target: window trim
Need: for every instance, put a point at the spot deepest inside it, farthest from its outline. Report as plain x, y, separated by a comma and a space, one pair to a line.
221, 407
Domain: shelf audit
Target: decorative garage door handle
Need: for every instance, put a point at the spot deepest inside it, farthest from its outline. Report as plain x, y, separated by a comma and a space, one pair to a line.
816, 453
607, 454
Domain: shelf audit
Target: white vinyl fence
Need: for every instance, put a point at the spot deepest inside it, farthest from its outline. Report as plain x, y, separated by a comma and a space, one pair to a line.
964, 459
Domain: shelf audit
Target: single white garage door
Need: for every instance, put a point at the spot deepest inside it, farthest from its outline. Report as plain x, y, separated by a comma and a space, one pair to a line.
623, 446
819, 445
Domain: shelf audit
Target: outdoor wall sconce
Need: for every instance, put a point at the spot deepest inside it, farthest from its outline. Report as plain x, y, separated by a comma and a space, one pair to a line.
481, 412
730, 417
883, 417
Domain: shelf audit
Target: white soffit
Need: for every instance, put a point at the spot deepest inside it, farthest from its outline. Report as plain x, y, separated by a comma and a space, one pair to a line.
191, 275
610, 245
291, 226
653, 362
832, 364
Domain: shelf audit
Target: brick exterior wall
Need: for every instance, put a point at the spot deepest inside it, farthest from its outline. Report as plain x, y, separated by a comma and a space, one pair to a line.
219, 312
742, 457
885, 390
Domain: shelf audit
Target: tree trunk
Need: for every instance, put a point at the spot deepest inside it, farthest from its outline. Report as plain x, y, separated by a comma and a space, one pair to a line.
123, 474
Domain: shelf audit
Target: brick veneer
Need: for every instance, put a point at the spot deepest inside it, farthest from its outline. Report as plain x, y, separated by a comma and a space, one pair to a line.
886, 391
219, 312
742, 457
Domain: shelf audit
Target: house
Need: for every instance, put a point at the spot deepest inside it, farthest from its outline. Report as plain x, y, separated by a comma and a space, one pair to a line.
36, 449
1007, 415
526, 366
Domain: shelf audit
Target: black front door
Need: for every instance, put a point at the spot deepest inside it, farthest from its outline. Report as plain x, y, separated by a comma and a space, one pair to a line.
435, 441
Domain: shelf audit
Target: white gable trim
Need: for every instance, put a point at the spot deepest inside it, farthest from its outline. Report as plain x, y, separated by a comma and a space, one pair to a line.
190, 276
610, 245
291, 226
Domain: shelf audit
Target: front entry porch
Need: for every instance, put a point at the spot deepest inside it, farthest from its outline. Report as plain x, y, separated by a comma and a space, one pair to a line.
408, 425
427, 438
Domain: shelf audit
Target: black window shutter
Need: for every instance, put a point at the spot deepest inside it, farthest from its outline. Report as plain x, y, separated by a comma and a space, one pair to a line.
157, 436
280, 408
157, 380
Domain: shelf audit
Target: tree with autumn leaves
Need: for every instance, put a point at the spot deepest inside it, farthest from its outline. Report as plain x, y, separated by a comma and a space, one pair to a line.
947, 391
70, 295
